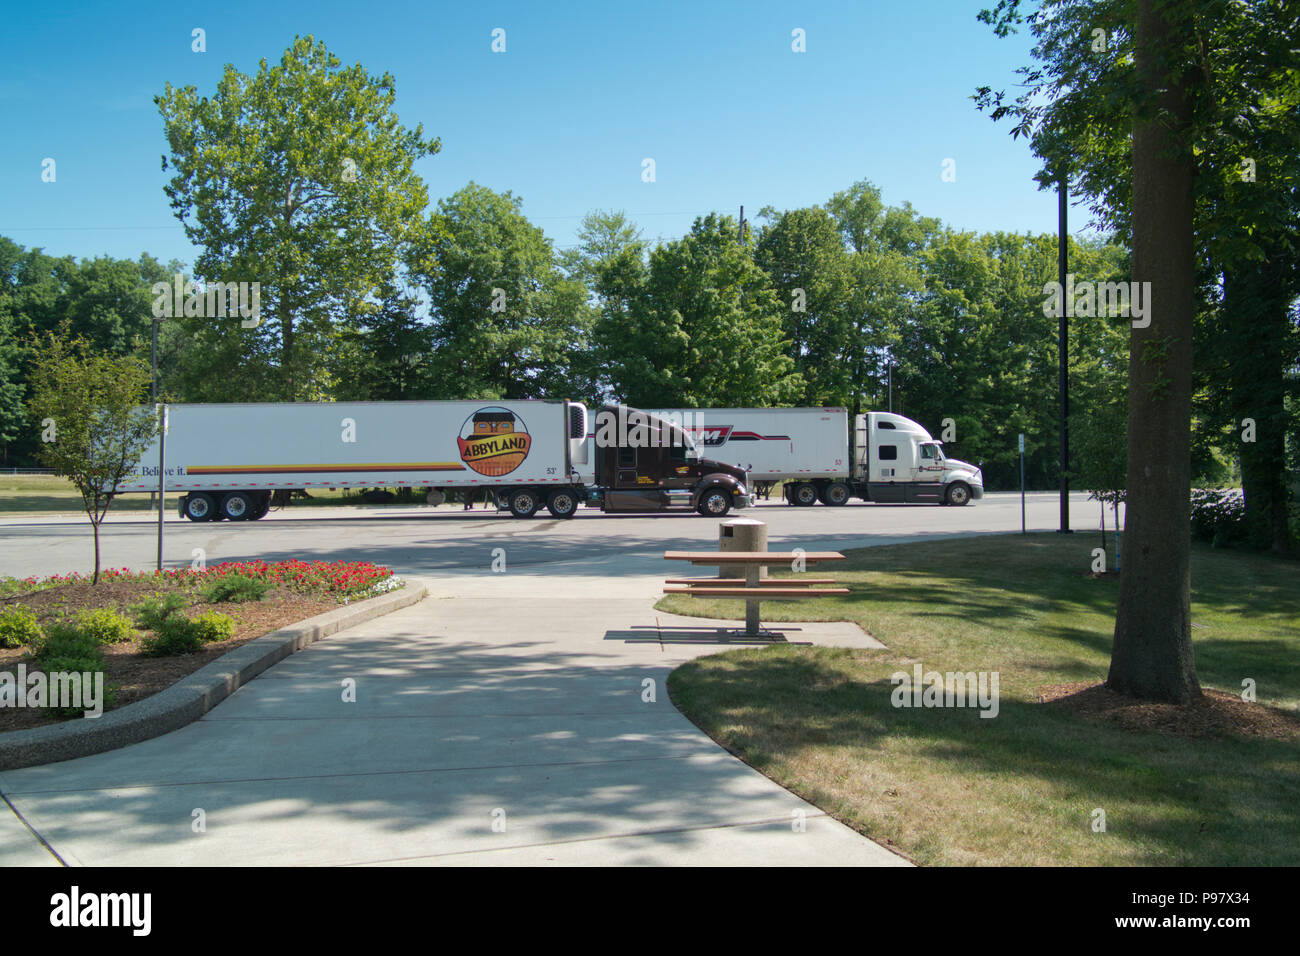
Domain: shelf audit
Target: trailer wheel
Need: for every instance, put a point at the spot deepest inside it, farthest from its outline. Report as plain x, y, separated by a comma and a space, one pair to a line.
261, 505
715, 502
837, 493
958, 494
523, 502
238, 506
199, 506
804, 495
562, 503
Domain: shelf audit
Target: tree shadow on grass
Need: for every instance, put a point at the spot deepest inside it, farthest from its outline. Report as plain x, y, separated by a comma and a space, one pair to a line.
1204, 802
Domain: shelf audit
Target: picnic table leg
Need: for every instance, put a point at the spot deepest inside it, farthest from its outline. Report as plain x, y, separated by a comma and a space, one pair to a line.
751, 606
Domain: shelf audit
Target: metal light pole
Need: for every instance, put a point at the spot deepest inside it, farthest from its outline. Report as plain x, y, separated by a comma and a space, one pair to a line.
1063, 341
162, 463
153, 386
153, 362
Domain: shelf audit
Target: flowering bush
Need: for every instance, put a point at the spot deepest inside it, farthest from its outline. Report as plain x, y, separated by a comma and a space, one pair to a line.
345, 578
1218, 516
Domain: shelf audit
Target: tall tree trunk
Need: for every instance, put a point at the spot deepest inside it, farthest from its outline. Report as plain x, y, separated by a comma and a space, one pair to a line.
1152, 653
287, 348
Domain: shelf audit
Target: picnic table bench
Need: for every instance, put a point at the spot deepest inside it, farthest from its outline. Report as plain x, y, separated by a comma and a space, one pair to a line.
751, 587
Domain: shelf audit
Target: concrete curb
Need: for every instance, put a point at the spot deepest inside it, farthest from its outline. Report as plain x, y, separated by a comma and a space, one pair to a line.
191, 697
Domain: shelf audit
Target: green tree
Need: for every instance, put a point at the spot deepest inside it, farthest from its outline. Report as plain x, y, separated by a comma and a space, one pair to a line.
1149, 78
385, 353
699, 327
506, 323
300, 178
1243, 129
13, 414
886, 244
93, 429
805, 256
105, 301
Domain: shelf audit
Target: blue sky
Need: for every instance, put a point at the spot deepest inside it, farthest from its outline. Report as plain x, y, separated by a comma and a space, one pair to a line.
584, 92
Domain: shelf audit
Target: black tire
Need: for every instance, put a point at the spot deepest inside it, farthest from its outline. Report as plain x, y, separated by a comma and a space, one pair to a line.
523, 502
835, 494
804, 495
562, 503
261, 505
238, 506
715, 502
199, 506
958, 494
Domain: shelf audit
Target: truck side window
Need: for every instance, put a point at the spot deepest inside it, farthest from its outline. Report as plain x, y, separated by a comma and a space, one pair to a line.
884, 424
889, 452
928, 451
677, 453
627, 458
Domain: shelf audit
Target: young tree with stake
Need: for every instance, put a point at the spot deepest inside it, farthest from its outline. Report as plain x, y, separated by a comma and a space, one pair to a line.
93, 427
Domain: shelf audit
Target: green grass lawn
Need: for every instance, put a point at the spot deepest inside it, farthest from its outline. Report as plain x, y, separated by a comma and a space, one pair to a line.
945, 786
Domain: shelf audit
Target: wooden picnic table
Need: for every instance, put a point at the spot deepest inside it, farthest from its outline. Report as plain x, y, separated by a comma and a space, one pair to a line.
752, 588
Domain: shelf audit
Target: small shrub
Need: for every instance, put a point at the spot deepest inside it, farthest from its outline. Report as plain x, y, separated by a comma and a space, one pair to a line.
178, 634
173, 636
213, 626
104, 625
110, 698
18, 626
79, 665
235, 587
70, 648
152, 612
67, 642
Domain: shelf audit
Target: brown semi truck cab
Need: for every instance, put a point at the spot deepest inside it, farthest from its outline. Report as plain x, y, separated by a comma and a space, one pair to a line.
645, 463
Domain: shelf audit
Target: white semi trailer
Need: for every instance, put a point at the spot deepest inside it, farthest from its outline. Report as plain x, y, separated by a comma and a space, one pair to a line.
885, 457
228, 460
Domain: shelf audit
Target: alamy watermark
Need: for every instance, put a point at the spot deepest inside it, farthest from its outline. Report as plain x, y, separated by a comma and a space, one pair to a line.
64, 690
75, 908
923, 688
630, 428
216, 300
1089, 299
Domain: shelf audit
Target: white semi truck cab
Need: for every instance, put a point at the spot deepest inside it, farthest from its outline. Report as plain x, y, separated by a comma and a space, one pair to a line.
895, 459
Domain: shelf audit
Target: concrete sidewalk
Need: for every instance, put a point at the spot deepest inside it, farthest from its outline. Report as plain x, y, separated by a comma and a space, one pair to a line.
499, 722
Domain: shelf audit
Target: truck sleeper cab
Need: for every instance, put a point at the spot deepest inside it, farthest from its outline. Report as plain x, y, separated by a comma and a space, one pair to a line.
645, 463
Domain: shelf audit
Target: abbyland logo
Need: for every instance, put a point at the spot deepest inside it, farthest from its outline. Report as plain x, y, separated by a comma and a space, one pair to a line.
494, 441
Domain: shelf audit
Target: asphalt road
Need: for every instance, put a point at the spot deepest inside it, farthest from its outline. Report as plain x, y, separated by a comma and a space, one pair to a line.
451, 541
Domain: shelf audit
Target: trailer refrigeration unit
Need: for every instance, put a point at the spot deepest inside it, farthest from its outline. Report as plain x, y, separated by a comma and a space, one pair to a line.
886, 457
227, 460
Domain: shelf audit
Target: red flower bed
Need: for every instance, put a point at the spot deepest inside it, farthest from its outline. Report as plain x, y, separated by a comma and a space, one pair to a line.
335, 577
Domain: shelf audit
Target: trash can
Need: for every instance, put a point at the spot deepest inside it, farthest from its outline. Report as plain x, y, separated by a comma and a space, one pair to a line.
741, 534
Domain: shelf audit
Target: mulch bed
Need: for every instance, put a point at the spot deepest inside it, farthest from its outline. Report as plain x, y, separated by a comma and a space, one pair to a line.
137, 676
1214, 714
